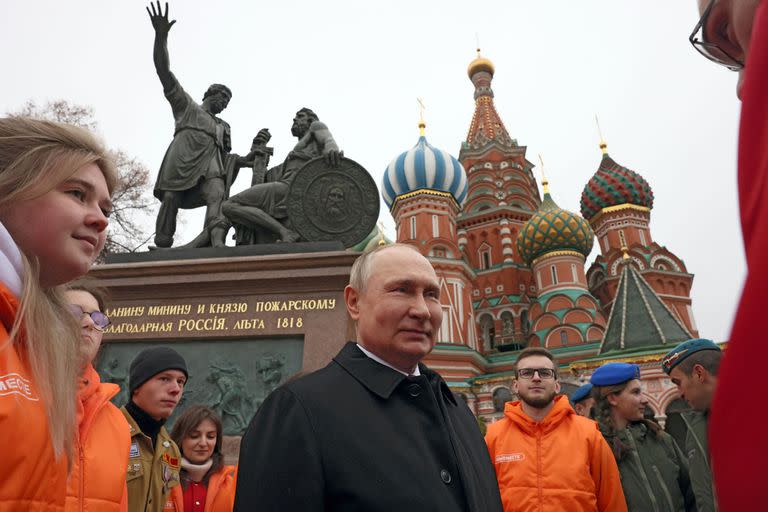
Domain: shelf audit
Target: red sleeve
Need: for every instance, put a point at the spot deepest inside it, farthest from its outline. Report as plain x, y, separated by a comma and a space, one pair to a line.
737, 441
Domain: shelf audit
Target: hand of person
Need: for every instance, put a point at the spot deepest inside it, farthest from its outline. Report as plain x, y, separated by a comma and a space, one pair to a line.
262, 137
159, 20
333, 157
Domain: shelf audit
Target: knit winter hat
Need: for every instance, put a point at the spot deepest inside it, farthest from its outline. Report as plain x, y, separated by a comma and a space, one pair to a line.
152, 361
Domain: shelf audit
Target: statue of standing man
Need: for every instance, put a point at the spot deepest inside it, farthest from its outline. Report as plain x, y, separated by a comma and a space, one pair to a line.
198, 168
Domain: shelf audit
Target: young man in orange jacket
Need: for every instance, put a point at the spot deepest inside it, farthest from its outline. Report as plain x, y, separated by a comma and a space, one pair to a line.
734, 33
548, 458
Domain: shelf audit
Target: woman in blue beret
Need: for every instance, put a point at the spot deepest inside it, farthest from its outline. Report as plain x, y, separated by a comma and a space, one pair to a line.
654, 472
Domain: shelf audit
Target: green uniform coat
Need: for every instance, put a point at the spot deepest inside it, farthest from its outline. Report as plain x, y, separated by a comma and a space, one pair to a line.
697, 450
152, 471
654, 472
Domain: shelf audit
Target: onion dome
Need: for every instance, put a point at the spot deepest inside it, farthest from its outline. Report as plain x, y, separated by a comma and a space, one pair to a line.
480, 64
612, 185
553, 229
424, 167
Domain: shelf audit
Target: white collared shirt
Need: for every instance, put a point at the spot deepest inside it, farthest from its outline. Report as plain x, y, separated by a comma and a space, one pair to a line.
11, 267
379, 360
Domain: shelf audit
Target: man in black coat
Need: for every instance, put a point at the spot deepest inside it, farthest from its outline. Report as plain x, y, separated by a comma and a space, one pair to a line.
374, 430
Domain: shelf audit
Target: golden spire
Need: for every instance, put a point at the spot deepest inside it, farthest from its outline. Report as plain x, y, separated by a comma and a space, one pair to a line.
625, 253
603, 145
544, 180
422, 124
381, 234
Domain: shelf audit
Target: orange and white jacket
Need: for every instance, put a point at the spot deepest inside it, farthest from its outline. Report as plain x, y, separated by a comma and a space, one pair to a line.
31, 477
560, 463
219, 497
97, 481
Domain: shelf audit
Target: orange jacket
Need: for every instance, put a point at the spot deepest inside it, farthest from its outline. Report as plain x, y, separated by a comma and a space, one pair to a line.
97, 481
561, 463
31, 478
220, 495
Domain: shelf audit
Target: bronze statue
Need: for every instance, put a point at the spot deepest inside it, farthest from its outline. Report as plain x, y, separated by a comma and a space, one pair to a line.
263, 205
198, 168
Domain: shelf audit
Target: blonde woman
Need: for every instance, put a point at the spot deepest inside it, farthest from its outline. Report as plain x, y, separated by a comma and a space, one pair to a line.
55, 186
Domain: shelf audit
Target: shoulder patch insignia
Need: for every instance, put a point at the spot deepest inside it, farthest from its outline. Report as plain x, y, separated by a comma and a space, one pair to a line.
171, 461
134, 450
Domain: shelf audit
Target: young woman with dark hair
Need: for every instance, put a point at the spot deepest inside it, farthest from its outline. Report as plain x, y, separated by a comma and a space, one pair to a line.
654, 472
207, 485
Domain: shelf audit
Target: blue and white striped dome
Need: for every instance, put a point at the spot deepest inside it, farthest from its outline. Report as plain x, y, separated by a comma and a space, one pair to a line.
424, 167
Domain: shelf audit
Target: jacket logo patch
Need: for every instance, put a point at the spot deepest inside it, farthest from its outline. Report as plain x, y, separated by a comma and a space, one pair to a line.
134, 450
15, 384
171, 461
509, 457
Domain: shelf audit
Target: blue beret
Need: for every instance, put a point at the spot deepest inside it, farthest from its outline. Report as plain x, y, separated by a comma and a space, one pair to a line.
683, 350
615, 373
581, 393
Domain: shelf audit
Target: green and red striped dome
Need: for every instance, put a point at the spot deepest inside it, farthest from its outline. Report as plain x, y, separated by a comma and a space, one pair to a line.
612, 185
551, 229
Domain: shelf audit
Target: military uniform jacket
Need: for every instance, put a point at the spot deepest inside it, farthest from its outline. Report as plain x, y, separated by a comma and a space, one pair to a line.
654, 472
151, 473
357, 435
697, 450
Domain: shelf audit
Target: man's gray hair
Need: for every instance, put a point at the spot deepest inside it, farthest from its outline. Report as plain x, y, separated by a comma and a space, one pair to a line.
363, 266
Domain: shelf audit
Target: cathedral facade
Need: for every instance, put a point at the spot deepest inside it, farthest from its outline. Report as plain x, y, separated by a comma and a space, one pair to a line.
513, 265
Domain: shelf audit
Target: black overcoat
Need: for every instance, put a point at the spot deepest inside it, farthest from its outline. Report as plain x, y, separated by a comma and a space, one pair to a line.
359, 436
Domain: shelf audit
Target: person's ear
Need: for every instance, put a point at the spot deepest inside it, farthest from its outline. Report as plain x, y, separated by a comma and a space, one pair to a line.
352, 300
700, 372
612, 399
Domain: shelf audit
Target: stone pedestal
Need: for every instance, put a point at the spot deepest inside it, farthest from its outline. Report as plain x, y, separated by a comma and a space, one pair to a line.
245, 323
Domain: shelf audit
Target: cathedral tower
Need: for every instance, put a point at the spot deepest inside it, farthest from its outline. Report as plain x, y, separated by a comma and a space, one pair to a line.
555, 243
617, 202
502, 196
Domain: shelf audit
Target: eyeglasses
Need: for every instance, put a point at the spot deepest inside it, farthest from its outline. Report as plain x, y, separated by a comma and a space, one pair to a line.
100, 320
710, 50
544, 373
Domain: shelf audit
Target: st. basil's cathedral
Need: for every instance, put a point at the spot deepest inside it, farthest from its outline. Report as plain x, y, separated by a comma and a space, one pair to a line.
512, 264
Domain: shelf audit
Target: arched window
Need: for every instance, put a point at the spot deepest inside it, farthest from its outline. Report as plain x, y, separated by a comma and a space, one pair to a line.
488, 332
413, 227
622, 240
500, 397
563, 338
524, 325
485, 257
554, 274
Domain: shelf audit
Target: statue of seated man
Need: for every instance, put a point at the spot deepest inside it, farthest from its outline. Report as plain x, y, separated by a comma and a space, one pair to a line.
262, 206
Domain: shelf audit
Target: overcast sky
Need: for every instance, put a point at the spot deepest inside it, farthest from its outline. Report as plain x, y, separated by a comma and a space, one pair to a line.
665, 111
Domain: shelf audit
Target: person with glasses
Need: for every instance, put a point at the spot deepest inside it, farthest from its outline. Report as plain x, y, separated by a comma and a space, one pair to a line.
654, 472
547, 457
102, 440
735, 33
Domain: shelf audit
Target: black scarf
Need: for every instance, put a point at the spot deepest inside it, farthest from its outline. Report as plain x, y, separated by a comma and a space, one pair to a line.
149, 426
